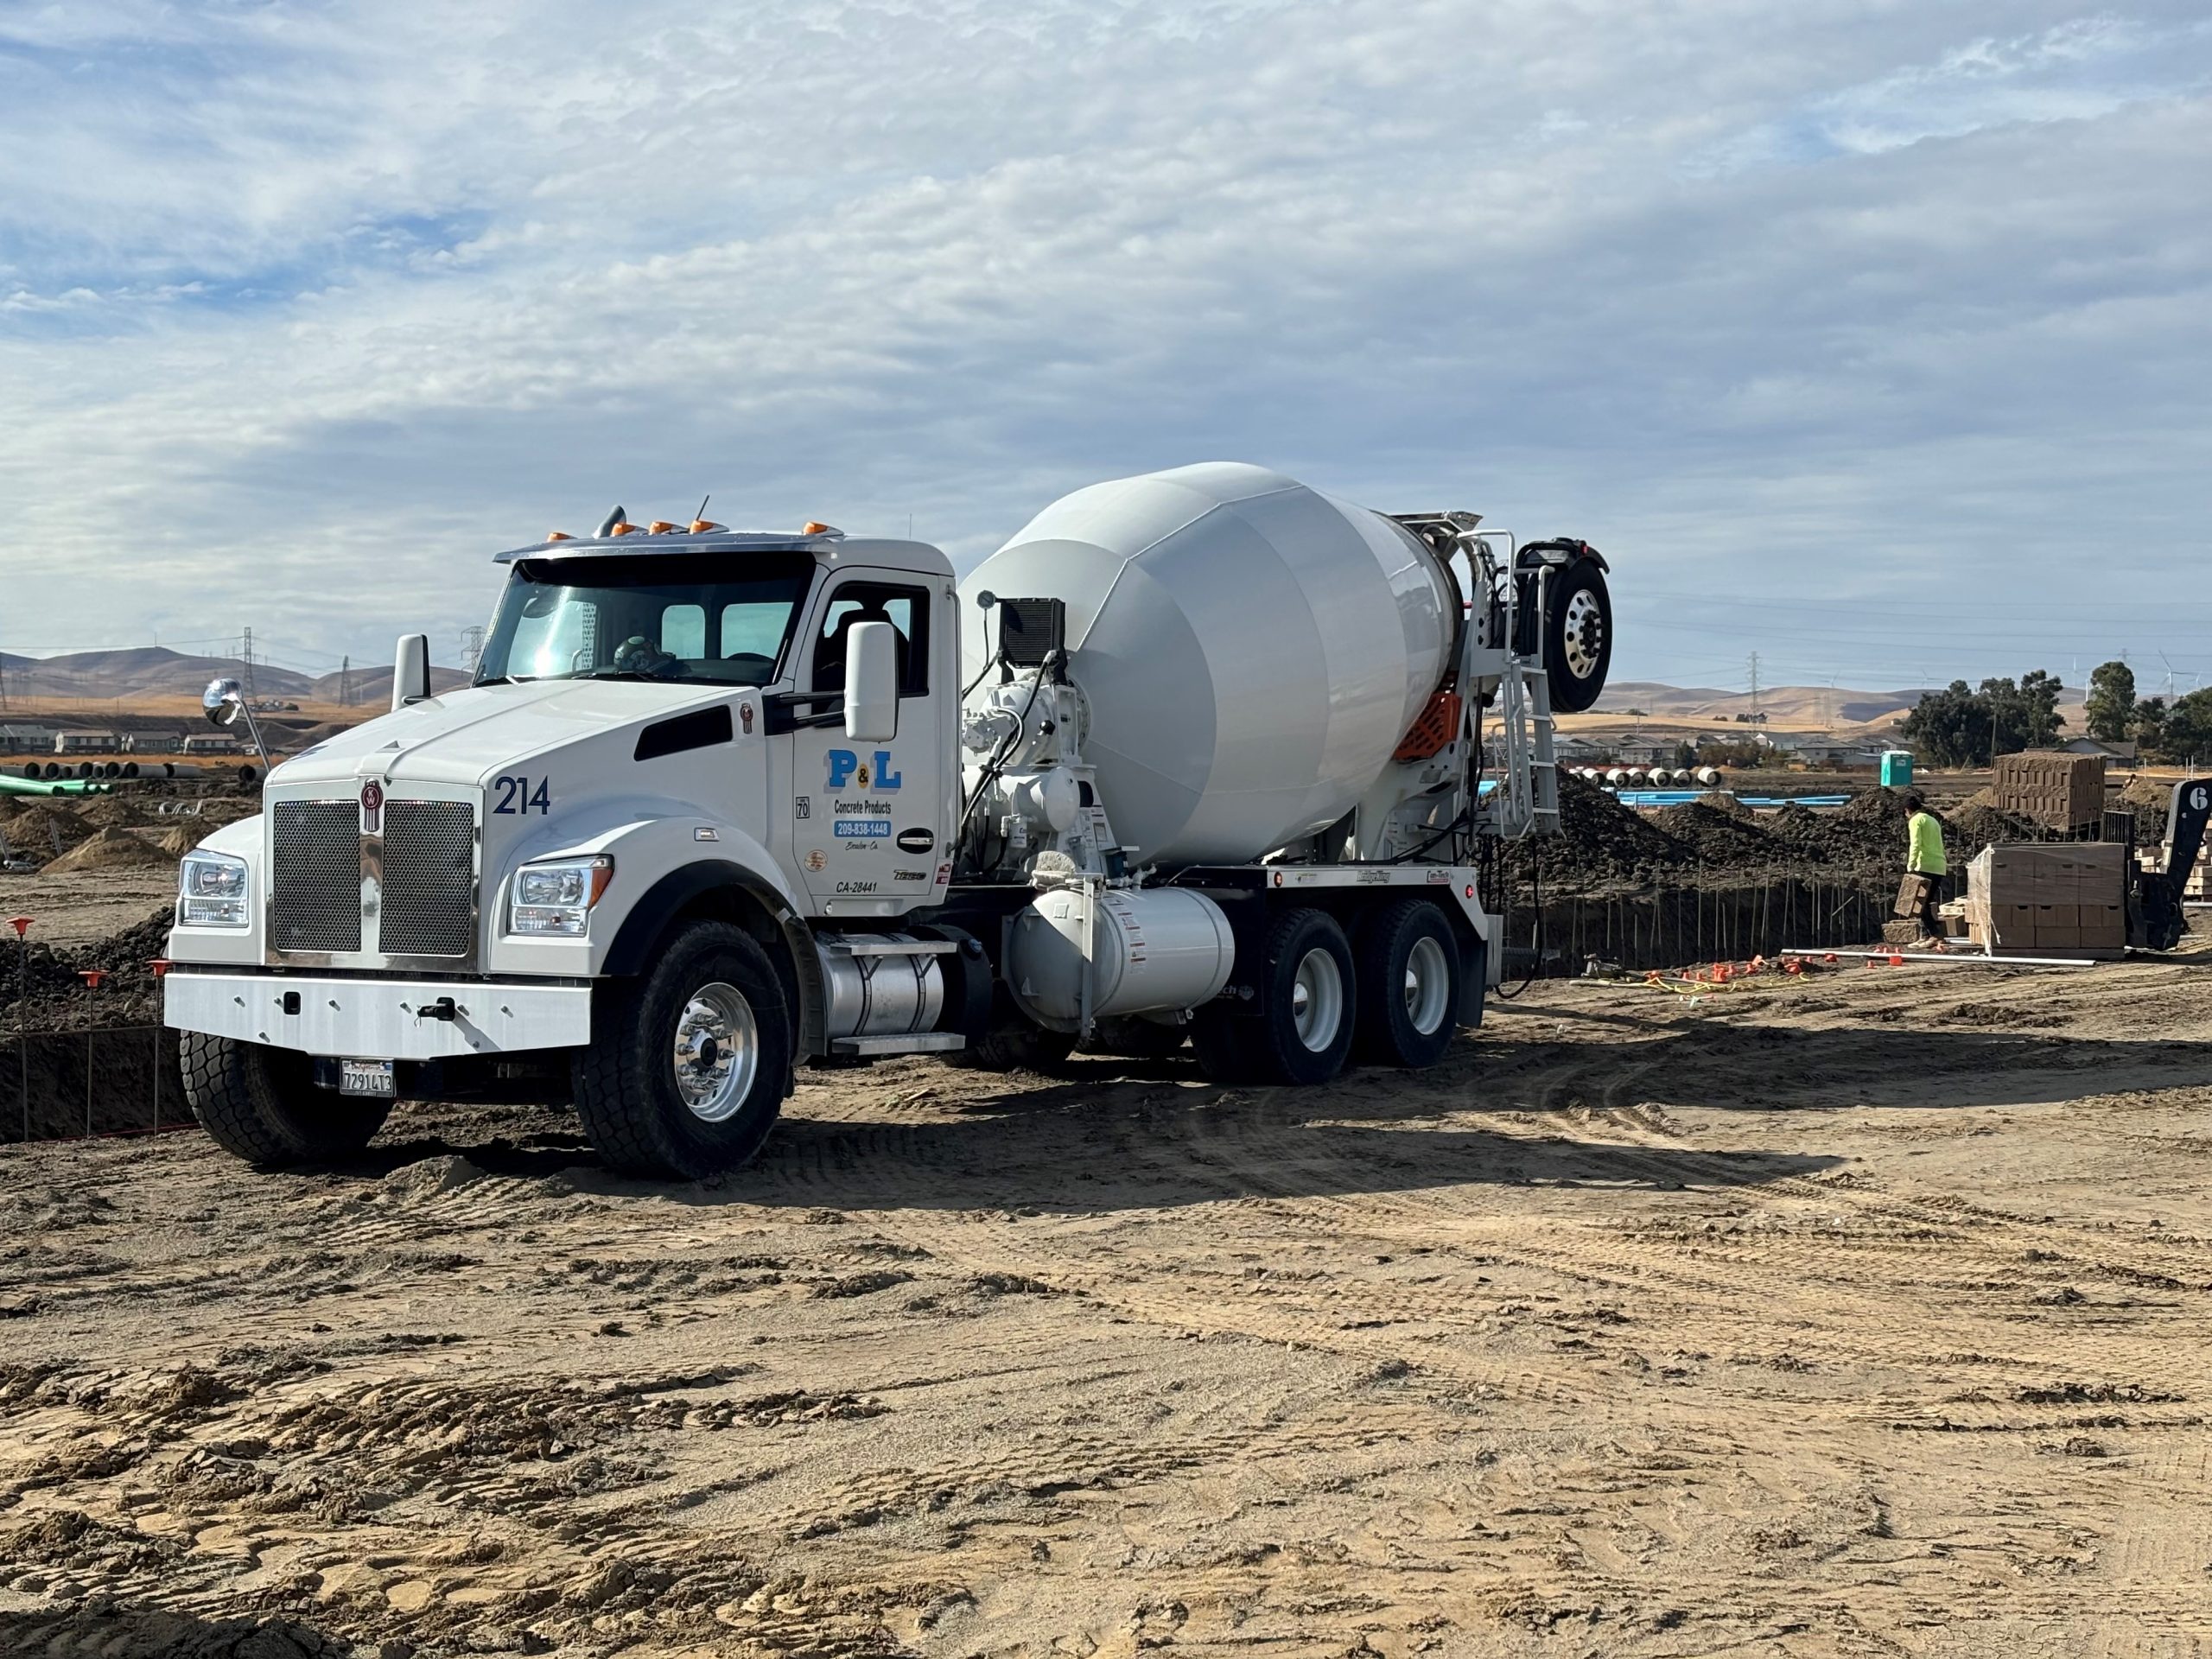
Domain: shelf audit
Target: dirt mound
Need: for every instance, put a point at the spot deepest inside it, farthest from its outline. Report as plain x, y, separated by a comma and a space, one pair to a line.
61, 999
1721, 800
2148, 799
111, 850
40, 829
1599, 841
112, 812
1711, 836
1975, 825
1603, 843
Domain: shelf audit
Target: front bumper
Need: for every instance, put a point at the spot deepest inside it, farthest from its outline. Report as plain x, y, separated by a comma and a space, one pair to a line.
377, 1018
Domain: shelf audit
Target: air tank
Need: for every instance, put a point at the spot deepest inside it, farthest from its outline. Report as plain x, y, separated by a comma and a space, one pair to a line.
1250, 650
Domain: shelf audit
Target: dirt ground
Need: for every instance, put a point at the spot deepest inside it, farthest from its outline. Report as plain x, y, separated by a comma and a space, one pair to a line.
1861, 1314
85, 906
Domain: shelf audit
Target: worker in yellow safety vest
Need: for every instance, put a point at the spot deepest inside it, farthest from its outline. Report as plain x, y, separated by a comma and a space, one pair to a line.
1925, 865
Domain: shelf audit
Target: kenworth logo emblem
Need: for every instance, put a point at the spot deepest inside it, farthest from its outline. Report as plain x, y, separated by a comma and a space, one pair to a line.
372, 808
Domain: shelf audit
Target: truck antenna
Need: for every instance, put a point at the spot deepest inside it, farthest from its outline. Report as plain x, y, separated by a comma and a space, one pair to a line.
607, 526
703, 506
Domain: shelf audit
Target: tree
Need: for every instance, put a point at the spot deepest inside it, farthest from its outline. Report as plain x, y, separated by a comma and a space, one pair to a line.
2151, 727
1957, 727
2184, 734
2040, 721
1950, 728
2112, 703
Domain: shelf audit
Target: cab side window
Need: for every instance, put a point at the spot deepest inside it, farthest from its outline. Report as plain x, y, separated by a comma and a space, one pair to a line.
907, 609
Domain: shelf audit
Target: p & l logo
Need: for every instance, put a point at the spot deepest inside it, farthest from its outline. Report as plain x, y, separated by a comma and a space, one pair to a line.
847, 768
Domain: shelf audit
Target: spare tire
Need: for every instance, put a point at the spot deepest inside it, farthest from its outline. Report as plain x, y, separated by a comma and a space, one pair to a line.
1578, 636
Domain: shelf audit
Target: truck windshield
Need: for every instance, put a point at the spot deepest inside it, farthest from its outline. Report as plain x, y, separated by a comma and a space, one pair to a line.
637, 617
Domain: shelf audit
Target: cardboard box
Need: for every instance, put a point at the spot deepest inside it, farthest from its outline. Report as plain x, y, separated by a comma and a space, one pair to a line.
2057, 916
2104, 924
2057, 940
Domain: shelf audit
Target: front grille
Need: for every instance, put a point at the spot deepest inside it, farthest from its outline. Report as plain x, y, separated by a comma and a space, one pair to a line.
429, 879
315, 890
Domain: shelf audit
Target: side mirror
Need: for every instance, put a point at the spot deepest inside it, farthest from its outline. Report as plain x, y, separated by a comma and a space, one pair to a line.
871, 683
410, 671
222, 702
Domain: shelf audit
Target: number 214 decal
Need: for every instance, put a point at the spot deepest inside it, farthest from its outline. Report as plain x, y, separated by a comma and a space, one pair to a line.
517, 799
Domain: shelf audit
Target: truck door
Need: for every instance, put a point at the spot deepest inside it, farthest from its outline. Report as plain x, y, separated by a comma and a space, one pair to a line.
867, 819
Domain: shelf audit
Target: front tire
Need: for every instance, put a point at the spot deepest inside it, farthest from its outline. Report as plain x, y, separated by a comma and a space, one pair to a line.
685, 1074
261, 1104
1408, 977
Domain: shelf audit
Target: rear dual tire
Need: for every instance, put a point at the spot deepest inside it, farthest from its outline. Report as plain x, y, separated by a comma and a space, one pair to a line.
1303, 1032
1408, 975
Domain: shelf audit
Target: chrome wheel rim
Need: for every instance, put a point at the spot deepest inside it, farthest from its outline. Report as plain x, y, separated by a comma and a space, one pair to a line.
1317, 999
1584, 633
1428, 985
716, 1053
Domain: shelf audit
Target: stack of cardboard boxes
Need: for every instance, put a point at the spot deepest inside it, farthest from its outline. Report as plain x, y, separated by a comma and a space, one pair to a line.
2065, 899
2061, 792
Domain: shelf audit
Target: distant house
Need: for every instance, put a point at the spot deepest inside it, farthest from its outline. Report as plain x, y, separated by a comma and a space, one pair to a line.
213, 743
88, 743
154, 743
26, 740
1822, 749
1647, 751
2119, 754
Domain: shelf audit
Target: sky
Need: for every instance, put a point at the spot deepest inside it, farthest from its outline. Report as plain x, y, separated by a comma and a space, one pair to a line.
1875, 338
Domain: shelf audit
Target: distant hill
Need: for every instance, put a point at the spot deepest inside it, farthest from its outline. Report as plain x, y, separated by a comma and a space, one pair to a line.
1791, 704
157, 671
374, 685
1820, 707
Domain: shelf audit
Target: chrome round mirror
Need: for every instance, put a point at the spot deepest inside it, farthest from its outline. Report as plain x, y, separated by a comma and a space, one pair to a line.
222, 700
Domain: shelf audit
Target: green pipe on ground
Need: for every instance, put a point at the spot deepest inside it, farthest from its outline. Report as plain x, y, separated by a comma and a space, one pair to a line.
51, 786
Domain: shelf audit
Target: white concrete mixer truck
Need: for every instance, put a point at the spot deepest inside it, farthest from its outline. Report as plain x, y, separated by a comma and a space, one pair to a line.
1199, 756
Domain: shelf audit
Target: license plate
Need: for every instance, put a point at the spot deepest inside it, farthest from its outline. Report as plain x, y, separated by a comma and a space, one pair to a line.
364, 1077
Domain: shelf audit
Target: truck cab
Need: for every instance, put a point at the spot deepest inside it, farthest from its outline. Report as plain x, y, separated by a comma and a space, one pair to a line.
655, 740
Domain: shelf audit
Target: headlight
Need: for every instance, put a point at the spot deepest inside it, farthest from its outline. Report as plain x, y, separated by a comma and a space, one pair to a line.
555, 898
210, 891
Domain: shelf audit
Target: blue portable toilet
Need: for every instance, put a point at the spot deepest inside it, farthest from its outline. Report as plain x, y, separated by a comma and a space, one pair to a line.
1897, 768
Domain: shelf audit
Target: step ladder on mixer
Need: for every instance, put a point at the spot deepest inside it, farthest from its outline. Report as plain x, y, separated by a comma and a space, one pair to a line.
1527, 799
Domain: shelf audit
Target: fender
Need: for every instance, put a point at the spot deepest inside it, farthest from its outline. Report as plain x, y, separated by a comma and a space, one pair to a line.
650, 916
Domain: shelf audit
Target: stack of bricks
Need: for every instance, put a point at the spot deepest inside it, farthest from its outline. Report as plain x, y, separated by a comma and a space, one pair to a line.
2061, 792
2031, 899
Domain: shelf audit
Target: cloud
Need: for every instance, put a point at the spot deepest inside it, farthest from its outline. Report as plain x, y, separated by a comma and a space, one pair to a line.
305, 311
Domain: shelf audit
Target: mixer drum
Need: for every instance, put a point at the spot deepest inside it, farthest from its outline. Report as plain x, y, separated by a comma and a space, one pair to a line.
1250, 650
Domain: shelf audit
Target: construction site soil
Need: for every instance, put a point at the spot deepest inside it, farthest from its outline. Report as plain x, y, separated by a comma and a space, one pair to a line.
1850, 1315
1715, 840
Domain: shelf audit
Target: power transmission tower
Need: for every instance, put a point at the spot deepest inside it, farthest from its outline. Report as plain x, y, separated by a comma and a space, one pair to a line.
472, 649
1755, 682
245, 660
344, 682
4, 682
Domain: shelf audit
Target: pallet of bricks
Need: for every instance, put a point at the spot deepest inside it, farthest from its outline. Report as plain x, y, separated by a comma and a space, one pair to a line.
2065, 792
2048, 899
